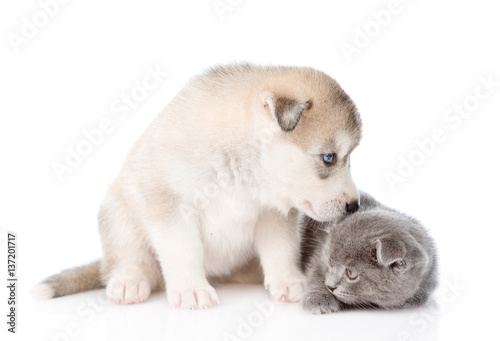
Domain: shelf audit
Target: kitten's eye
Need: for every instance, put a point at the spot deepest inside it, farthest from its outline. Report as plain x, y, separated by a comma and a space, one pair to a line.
352, 275
329, 159
400, 264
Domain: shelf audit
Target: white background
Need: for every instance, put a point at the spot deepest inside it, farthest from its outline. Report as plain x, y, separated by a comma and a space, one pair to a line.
426, 60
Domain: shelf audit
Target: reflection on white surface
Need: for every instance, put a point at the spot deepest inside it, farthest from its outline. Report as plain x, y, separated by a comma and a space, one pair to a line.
246, 313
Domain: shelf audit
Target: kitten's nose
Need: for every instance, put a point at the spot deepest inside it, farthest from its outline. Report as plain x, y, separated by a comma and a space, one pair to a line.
332, 289
351, 207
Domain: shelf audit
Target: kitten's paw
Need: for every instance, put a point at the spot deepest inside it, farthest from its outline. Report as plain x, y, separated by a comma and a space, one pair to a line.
287, 291
128, 291
320, 303
201, 297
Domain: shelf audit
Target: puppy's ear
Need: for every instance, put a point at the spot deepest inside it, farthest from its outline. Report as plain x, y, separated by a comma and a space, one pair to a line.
287, 111
389, 251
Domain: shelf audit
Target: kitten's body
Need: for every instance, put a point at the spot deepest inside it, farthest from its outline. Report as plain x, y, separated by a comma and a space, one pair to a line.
391, 253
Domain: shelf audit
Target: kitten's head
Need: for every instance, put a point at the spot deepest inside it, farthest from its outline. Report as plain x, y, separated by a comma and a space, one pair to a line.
372, 259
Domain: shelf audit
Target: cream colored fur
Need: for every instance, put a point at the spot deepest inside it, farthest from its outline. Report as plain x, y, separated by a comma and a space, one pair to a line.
215, 182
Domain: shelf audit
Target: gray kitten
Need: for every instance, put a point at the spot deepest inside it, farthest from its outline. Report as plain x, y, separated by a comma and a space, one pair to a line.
374, 258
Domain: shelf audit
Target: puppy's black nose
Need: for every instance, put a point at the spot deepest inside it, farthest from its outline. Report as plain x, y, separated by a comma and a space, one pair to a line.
351, 207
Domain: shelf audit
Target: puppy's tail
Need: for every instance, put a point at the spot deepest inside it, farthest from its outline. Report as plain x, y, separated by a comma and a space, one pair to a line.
71, 281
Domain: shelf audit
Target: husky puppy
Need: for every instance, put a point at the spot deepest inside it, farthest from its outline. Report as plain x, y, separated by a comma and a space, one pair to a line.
216, 180
375, 258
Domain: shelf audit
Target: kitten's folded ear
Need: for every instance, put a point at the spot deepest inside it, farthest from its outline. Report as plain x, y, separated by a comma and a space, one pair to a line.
389, 251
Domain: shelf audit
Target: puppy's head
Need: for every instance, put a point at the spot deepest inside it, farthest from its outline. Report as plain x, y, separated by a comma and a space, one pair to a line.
306, 161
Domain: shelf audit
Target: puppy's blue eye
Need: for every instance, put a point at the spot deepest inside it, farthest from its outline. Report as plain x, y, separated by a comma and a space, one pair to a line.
329, 159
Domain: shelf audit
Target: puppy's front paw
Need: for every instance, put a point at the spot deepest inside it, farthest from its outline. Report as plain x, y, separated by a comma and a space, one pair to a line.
128, 290
287, 291
201, 297
320, 302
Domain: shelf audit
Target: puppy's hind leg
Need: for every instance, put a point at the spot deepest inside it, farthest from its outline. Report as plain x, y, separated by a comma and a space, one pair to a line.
129, 267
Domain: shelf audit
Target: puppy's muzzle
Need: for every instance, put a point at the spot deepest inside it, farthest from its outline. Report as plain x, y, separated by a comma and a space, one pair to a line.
351, 207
